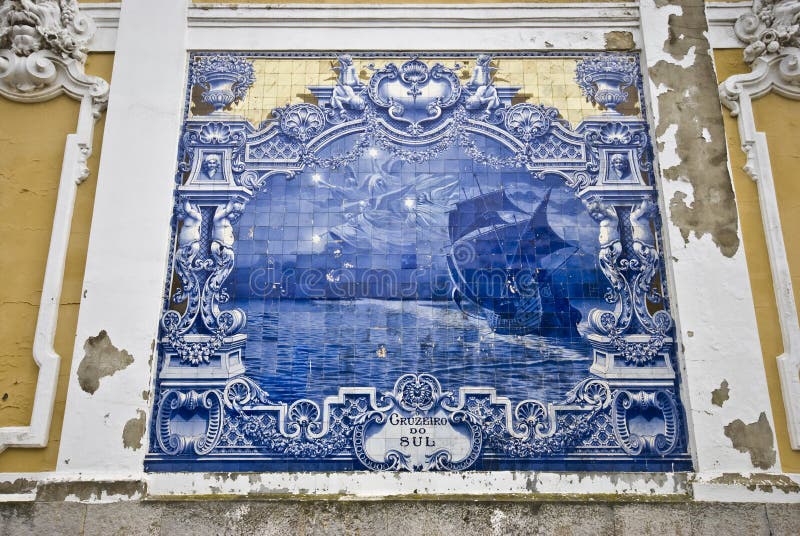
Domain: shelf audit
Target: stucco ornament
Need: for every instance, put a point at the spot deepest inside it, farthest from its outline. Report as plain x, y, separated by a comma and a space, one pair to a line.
43, 47
772, 32
770, 28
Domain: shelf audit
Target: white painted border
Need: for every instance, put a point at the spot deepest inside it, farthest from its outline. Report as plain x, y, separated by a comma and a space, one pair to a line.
127, 256
106, 19
602, 15
506, 485
381, 27
128, 244
715, 316
77, 149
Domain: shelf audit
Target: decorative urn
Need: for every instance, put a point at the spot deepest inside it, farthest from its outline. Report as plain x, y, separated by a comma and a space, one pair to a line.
605, 78
225, 79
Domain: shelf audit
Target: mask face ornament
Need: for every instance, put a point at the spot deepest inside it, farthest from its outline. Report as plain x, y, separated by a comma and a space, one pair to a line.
427, 262
43, 45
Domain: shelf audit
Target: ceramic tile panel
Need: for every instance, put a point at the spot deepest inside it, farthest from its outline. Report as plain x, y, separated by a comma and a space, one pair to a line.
445, 261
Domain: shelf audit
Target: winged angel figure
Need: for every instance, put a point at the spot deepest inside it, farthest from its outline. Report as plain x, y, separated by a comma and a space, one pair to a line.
382, 210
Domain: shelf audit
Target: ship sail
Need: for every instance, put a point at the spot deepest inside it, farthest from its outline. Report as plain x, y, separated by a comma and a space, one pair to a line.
500, 276
480, 211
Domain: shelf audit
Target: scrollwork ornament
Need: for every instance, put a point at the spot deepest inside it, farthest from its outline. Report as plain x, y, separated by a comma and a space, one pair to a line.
241, 391
635, 444
530, 121
301, 121
414, 93
531, 417
590, 392
770, 28
43, 45
417, 392
172, 401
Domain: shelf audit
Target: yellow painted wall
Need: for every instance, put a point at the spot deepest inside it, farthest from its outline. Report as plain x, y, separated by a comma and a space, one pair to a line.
32, 140
779, 119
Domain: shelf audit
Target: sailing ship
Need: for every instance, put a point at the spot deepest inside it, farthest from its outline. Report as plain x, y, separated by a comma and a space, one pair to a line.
495, 264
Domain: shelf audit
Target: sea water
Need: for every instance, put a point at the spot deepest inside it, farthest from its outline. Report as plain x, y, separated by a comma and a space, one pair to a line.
310, 348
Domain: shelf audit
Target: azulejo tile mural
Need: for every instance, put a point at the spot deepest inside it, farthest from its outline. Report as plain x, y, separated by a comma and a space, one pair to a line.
395, 262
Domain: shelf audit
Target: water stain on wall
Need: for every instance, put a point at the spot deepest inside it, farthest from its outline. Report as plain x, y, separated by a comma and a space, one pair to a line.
754, 438
101, 359
719, 396
134, 431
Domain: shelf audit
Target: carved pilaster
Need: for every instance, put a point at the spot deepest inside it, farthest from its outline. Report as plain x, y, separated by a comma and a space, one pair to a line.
203, 341
631, 340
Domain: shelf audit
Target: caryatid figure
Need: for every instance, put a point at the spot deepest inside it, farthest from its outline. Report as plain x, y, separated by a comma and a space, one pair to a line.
222, 236
189, 235
641, 227
606, 216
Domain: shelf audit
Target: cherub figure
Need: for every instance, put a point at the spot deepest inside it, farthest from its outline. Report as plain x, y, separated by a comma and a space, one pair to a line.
191, 222
188, 247
344, 94
484, 94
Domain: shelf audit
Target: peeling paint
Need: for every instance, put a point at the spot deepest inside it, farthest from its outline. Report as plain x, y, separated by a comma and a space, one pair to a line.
689, 104
619, 41
719, 396
20, 485
90, 491
134, 431
759, 481
101, 359
754, 438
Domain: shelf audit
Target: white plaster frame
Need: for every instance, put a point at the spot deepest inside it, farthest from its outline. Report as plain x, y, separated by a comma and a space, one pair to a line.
52, 76
73, 172
138, 163
737, 94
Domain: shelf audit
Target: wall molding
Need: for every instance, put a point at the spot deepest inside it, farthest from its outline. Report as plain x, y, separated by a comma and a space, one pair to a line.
774, 67
42, 55
721, 18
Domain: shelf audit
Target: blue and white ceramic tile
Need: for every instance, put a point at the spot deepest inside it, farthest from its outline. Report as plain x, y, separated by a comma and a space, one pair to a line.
416, 269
